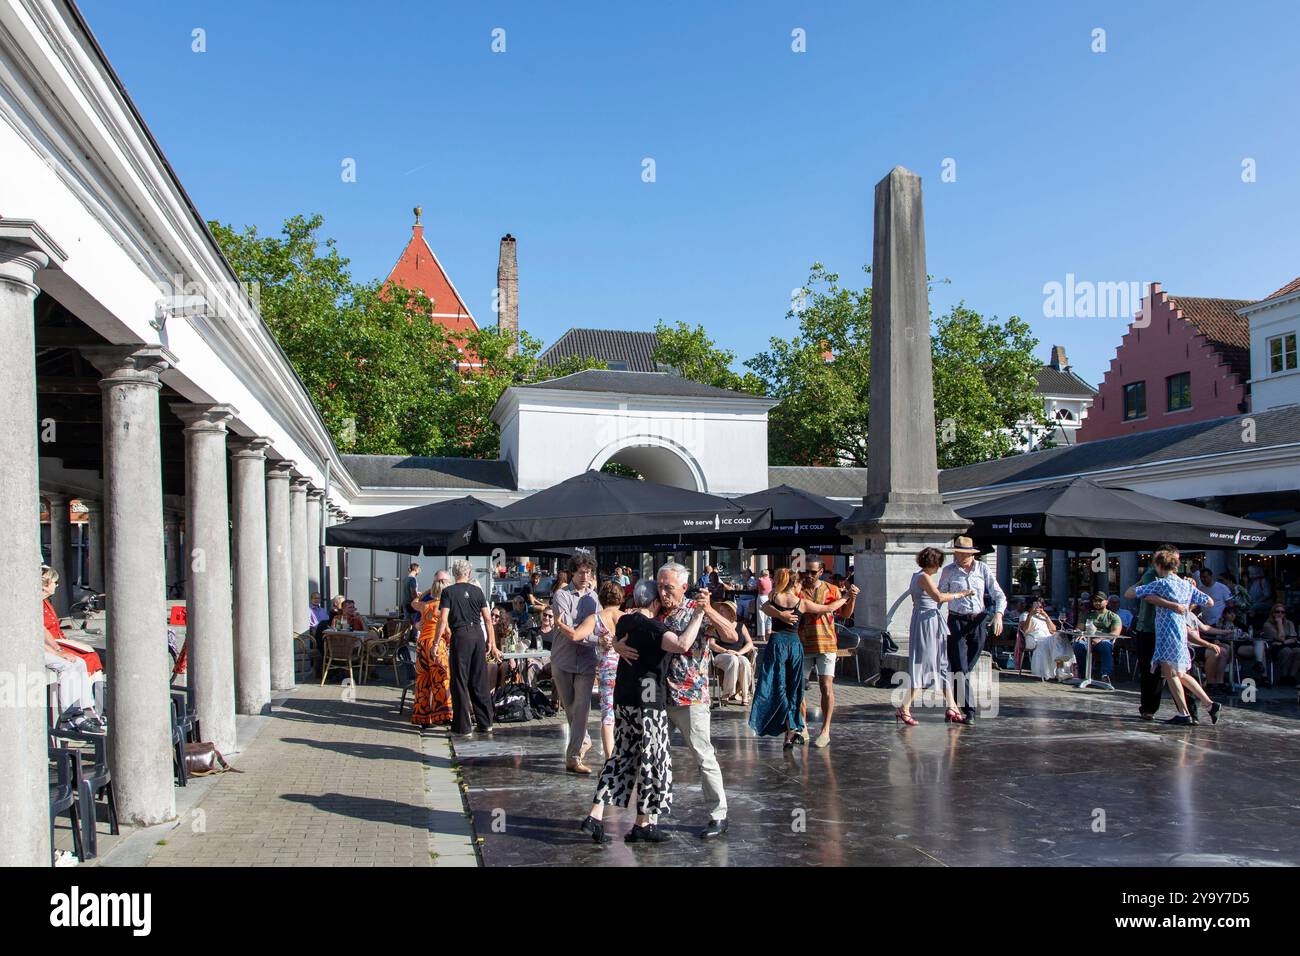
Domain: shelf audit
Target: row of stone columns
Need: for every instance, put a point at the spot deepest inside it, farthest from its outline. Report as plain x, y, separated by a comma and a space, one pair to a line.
246, 569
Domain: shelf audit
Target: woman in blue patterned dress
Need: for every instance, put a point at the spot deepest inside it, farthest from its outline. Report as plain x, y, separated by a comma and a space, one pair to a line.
1172, 596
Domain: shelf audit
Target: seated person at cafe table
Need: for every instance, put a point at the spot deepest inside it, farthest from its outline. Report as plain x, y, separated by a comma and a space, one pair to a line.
1216, 665
1280, 633
318, 612
346, 618
531, 591
1107, 626
1047, 650
1217, 654
70, 669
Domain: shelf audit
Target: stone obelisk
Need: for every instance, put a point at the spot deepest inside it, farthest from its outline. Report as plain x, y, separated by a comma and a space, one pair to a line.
902, 510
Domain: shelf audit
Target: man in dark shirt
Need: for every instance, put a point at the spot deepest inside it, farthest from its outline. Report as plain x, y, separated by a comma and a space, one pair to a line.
463, 613
412, 592
530, 590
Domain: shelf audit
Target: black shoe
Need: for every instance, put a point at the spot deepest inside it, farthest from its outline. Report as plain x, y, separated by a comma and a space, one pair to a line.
650, 833
969, 713
716, 828
1144, 716
1214, 712
1182, 720
597, 830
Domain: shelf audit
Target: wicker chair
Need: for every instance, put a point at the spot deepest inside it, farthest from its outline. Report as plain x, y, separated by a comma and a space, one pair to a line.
377, 652
341, 652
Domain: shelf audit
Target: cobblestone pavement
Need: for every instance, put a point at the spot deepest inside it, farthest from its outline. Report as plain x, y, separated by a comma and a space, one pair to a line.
327, 781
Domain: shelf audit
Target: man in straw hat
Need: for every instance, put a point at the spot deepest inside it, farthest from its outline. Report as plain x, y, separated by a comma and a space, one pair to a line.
968, 617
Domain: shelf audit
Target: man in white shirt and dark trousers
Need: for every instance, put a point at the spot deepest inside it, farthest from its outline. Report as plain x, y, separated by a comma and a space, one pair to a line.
968, 617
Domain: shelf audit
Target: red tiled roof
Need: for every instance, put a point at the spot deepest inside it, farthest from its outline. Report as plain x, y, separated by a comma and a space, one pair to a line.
1218, 321
1292, 286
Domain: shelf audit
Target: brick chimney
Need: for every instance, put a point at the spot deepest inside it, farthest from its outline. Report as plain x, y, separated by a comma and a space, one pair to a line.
1059, 361
508, 293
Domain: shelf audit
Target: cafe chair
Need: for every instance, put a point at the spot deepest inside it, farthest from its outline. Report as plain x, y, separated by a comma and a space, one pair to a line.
404, 668
304, 654
68, 796
377, 652
340, 653
846, 646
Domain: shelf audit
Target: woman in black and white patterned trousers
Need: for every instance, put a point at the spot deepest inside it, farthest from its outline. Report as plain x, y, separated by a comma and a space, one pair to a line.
641, 759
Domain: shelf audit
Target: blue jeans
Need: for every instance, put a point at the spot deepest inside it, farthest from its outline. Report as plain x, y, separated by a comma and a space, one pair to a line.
1105, 652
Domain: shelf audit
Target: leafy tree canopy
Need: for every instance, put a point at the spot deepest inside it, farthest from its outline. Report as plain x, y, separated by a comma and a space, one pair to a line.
385, 381
984, 380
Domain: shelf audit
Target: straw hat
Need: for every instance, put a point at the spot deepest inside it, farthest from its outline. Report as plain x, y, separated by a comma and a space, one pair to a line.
964, 545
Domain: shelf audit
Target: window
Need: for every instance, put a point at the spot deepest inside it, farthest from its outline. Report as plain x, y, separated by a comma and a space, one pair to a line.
1281, 353
1135, 400
1179, 390
617, 366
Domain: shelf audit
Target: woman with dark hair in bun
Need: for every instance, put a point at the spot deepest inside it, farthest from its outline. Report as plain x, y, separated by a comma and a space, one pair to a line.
928, 638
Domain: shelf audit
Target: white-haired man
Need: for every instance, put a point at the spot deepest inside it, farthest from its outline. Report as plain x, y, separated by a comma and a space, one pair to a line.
462, 609
688, 684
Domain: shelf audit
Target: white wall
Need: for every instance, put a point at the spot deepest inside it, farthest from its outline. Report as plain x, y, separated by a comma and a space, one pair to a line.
1268, 389
713, 445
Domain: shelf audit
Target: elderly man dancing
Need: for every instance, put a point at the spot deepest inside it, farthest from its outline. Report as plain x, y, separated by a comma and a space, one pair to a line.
687, 683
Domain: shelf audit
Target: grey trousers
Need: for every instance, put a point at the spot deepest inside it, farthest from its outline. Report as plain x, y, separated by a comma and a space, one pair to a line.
574, 692
693, 723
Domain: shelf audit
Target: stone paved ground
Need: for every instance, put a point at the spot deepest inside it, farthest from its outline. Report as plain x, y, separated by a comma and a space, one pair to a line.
327, 781
1058, 777
331, 781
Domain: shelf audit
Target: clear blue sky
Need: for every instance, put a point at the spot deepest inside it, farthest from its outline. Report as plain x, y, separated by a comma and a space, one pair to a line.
1115, 166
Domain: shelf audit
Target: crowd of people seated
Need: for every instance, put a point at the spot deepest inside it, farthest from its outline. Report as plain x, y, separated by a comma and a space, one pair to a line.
1244, 626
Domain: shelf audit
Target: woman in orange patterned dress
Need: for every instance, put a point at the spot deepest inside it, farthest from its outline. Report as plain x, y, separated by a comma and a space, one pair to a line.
433, 666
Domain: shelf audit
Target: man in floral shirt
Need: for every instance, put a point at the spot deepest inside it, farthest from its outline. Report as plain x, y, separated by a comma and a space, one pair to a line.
688, 685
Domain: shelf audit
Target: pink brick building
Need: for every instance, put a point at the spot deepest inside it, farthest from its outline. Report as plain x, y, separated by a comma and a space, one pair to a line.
1184, 359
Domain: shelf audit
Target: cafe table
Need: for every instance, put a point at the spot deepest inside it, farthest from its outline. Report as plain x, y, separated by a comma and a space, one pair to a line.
1086, 681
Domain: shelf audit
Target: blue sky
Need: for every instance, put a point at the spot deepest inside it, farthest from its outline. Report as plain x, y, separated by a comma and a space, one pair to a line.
1119, 166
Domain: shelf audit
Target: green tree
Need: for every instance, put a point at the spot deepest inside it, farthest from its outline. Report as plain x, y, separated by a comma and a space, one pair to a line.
384, 380
984, 379
690, 351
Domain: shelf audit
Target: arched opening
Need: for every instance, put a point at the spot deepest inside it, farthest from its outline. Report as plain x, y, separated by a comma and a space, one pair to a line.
654, 459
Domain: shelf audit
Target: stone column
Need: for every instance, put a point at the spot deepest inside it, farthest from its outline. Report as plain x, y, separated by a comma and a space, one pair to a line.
60, 550
174, 563
24, 804
279, 577
1060, 581
208, 600
94, 544
252, 617
139, 713
302, 550
902, 510
315, 539
1128, 575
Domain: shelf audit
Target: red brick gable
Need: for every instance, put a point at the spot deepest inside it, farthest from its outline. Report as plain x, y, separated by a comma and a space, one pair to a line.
1174, 334
419, 268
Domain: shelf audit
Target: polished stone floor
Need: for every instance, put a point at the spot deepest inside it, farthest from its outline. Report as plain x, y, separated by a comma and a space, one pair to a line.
1058, 777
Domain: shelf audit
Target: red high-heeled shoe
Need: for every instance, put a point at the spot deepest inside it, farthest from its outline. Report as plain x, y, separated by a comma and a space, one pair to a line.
906, 718
954, 717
